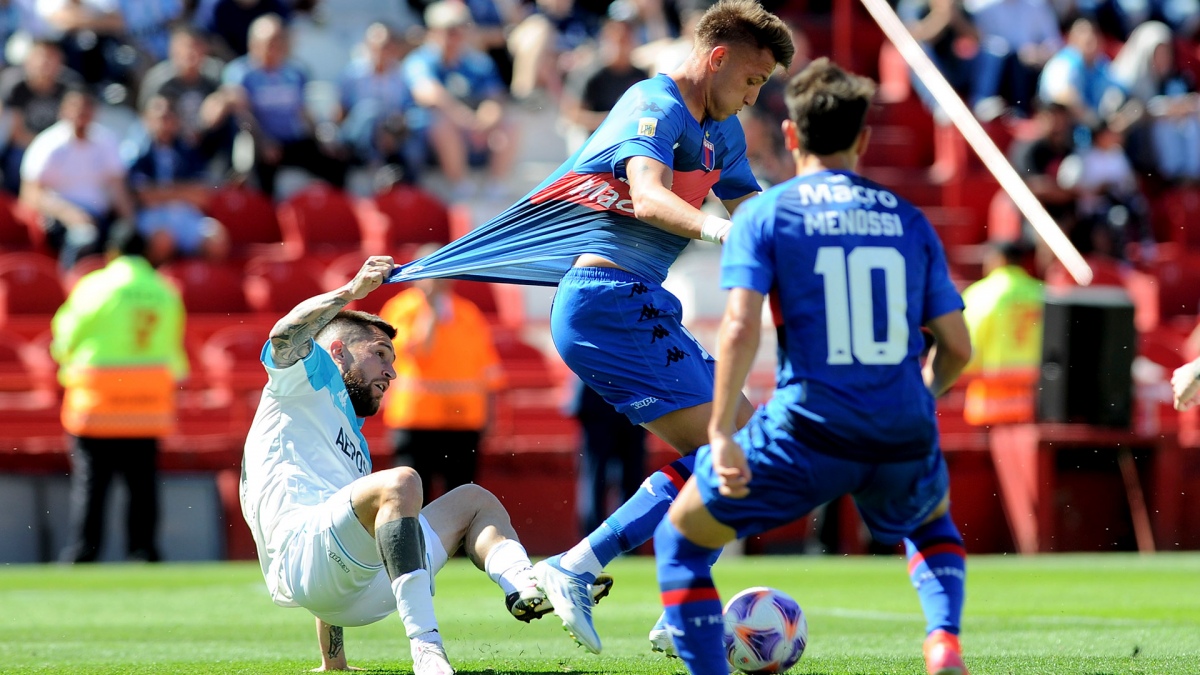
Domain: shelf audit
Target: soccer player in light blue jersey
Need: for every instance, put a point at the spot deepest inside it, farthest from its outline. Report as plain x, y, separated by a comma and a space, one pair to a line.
853, 273
605, 228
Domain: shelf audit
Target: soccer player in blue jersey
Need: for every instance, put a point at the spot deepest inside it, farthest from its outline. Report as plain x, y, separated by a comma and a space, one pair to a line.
605, 228
853, 274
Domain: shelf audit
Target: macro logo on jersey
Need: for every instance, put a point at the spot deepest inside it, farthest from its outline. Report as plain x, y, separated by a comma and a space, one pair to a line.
862, 221
606, 192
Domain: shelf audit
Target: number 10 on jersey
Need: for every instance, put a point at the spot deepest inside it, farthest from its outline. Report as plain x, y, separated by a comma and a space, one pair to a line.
850, 304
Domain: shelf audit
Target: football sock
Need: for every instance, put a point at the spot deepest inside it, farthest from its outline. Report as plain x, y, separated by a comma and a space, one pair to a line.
414, 602
937, 565
632, 524
690, 600
505, 562
402, 548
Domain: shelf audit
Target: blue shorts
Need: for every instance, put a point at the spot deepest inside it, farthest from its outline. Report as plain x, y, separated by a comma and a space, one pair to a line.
622, 336
789, 479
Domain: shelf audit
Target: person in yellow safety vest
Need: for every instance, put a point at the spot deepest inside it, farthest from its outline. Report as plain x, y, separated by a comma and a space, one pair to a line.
1004, 315
118, 340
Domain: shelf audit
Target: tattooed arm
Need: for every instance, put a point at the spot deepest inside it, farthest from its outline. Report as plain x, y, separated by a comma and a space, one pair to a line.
333, 649
291, 337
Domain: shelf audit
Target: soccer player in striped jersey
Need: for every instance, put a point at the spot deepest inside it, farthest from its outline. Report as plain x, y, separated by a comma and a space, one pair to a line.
853, 273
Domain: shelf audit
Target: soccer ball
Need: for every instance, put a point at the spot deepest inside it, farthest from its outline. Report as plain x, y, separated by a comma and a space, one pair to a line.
765, 631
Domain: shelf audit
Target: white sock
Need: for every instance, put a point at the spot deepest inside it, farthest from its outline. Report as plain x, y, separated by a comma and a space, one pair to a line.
414, 601
581, 559
505, 564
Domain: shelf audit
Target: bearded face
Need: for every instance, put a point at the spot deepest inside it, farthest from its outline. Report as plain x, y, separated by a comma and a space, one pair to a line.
365, 396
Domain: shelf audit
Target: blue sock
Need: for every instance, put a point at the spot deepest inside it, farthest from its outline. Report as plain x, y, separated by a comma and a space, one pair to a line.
690, 599
633, 523
937, 565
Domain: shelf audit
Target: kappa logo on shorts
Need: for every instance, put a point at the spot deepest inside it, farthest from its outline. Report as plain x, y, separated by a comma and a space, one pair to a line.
658, 333
638, 405
674, 355
649, 312
338, 559
638, 289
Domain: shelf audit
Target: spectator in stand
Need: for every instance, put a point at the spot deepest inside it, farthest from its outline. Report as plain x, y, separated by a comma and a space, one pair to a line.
593, 90
555, 30
267, 91
1039, 159
31, 94
462, 102
1078, 77
167, 176
1109, 200
374, 106
1016, 38
447, 372
96, 40
608, 437
1169, 133
72, 176
1004, 316
191, 80
118, 341
148, 25
228, 22
948, 36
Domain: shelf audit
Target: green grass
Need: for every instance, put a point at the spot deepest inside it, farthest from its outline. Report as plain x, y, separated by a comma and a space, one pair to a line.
1067, 614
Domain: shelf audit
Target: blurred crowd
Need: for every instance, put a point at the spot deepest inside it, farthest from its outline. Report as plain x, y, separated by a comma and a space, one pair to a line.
1108, 88
136, 110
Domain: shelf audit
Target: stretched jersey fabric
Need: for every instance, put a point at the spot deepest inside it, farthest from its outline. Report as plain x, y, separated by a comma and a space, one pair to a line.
853, 273
304, 445
584, 207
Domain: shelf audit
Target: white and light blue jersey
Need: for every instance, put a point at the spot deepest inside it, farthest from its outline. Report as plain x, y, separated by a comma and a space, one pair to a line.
853, 273
304, 445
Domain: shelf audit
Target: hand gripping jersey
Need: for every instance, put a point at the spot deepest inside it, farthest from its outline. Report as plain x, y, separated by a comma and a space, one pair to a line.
584, 207
853, 272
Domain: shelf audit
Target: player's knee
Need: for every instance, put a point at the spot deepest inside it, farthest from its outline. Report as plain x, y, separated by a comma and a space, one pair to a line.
475, 498
402, 485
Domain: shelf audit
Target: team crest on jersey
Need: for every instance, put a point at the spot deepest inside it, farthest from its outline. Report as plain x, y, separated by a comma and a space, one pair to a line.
709, 155
647, 126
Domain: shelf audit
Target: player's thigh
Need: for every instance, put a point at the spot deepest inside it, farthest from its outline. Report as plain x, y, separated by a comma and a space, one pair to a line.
695, 522
788, 479
901, 496
622, 336
687, 429
330, 560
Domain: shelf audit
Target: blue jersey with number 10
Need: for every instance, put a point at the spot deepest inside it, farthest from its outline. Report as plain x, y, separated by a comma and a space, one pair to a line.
852, 272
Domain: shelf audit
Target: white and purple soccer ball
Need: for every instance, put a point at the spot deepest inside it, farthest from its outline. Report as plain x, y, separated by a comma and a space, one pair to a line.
765, 631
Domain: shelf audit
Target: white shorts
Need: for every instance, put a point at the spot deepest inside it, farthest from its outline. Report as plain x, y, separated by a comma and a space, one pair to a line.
333, 569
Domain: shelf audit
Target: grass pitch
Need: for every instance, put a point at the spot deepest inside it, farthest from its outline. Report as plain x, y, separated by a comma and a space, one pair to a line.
1066, 614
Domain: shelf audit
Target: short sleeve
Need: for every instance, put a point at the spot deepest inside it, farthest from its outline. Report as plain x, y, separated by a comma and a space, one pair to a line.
941, 296
305, 377
747, 259
418, 70
234, 74
647, 124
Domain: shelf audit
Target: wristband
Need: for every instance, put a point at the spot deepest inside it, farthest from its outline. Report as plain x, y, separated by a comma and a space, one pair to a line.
714, 229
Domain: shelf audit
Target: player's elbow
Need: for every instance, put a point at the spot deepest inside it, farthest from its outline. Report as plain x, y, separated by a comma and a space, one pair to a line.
645, 207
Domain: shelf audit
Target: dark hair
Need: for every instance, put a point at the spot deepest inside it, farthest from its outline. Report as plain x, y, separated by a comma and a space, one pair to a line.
829, 106
124, 239
745, 22
1013, 251
354, 323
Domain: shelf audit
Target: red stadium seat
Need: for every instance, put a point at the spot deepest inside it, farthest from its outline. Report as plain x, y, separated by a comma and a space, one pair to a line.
29, 285
82, 267
230, 359
249, 217
412, 216
22, 368
276, 286
14, 233
208, 288
319, 220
